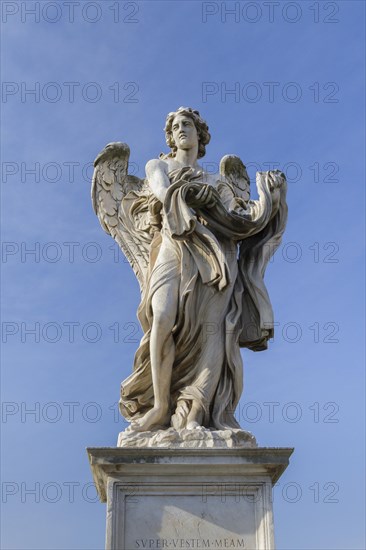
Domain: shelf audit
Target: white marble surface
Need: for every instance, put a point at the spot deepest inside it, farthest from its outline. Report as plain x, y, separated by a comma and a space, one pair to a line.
188, 498
199, 247
197, 520
199, 438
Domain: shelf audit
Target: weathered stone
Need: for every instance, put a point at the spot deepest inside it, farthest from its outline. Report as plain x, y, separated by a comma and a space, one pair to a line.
199, 247
188, 498
200, 438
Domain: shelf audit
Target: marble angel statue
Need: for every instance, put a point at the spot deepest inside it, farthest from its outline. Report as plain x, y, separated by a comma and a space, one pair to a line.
199, 248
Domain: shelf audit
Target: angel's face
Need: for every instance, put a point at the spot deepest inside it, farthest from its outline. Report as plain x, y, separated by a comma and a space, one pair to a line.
184, 132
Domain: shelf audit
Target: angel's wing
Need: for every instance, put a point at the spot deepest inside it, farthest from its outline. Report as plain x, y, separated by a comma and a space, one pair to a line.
235, 173
110, 186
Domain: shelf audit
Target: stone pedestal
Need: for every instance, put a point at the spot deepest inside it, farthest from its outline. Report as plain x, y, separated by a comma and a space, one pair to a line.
196, 499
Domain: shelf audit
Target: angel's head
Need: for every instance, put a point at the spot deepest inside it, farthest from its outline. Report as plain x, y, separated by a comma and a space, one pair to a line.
198, 131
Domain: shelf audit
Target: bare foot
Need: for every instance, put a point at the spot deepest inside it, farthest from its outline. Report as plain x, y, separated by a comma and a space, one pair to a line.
153, 419
195, 417
193, 425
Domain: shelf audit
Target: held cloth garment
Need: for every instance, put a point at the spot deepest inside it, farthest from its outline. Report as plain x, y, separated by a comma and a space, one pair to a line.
218, 255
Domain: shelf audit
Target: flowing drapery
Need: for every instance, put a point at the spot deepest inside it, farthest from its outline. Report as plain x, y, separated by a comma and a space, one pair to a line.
219, 256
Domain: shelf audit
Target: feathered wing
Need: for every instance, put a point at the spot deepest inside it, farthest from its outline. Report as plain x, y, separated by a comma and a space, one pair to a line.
121, 204
235, 174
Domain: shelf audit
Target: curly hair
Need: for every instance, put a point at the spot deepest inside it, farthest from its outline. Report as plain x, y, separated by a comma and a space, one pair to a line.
201, 127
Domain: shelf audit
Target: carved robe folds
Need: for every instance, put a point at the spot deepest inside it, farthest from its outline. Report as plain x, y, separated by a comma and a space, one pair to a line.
219, 256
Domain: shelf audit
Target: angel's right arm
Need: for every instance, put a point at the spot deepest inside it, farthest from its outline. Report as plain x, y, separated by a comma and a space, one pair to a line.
157, 175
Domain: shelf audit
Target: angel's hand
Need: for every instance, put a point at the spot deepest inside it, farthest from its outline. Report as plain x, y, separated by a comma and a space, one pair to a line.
155, 207
276, 179
204, 197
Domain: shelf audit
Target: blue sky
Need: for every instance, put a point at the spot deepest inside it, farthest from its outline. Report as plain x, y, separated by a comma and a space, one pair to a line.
297, 72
